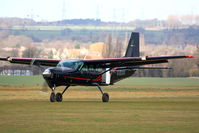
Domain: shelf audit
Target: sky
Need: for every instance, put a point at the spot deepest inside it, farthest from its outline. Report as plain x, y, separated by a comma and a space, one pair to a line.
106, 10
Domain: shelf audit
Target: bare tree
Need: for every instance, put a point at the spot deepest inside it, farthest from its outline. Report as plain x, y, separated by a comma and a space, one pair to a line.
32, 52
118, 48
108, 48
197, 57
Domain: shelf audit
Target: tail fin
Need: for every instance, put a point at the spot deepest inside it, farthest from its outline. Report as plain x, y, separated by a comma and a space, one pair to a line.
133, 49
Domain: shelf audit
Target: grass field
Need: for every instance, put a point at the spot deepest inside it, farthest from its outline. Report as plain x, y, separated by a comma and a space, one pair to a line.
137, 105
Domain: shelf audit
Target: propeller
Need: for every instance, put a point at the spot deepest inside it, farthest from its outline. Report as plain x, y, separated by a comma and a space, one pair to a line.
45, 87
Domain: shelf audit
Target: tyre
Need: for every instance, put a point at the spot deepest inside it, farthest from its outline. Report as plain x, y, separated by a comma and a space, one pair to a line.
59, 97
52, 97
105, 97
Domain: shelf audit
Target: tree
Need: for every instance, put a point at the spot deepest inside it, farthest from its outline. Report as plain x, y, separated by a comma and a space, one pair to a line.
194, 71
173, 21
117, 48
197, 56
108, 48
31, 52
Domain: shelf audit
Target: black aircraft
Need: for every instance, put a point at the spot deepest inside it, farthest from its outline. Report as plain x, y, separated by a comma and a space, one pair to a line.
93, 72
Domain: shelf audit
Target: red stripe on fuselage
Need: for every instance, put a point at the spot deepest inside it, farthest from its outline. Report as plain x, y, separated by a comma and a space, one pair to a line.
99, 78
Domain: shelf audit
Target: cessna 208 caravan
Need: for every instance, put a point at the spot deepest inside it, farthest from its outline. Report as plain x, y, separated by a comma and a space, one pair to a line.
93, 72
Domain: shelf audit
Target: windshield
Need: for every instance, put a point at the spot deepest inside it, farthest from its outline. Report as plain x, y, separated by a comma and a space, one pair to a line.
74, 64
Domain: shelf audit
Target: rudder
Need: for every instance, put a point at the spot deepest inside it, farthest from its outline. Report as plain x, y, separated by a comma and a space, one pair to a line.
133, 49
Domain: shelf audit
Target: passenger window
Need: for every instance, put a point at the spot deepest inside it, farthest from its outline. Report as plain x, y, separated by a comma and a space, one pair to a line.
91, 68
98, 70
85, 68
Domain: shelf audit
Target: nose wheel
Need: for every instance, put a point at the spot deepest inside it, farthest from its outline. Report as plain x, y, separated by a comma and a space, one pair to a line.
52, 97
57, 97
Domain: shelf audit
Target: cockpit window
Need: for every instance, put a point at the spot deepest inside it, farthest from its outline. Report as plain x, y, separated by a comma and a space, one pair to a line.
74, 64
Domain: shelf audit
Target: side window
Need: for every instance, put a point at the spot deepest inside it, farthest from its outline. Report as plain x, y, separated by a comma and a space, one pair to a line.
78, 65
99, 70
91, 68
59, 65
84, 68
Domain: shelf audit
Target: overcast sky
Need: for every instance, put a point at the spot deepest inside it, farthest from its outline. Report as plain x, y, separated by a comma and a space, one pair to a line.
106, 10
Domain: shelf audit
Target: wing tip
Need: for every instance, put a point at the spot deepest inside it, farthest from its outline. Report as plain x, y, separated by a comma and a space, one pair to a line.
189, 56
3, 58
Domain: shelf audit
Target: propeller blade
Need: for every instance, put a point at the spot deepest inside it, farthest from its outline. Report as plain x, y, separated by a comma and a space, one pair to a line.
45, 87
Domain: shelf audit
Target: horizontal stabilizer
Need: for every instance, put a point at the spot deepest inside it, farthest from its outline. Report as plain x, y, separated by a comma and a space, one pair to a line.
152, 68
139, 67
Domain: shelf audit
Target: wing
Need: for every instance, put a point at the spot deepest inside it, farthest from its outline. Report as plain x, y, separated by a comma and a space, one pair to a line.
133, 61
106, 63
31, 61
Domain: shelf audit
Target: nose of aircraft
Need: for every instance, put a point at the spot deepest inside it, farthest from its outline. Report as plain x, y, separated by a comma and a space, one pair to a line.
57, 70
47, 73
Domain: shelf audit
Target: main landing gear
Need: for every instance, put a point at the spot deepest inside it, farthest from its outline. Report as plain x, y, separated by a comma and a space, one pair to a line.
57, 97
105, 96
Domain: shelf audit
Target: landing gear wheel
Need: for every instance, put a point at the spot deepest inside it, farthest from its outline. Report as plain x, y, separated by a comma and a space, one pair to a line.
59, 97
105, 97
52, 97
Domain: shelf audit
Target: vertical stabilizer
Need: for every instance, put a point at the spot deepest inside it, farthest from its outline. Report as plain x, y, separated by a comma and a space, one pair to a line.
133, 49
